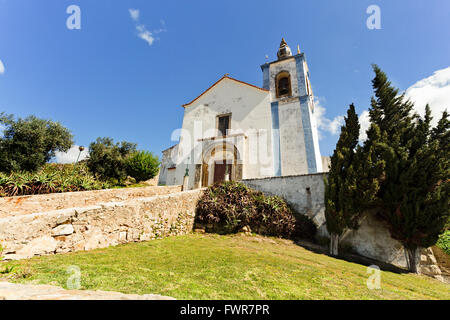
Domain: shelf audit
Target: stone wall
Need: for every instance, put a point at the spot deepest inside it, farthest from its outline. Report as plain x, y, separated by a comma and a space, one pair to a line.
102, 225
373, 240
304, 193
10, 206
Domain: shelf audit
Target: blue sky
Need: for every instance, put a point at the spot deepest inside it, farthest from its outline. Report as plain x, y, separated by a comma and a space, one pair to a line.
104, 80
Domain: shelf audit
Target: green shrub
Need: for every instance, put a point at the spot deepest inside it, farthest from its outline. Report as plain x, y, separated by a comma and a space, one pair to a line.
444, 242
107, 159
142, 165
230, 206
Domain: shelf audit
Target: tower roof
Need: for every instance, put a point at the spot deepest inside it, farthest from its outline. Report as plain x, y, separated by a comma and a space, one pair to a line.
284, 51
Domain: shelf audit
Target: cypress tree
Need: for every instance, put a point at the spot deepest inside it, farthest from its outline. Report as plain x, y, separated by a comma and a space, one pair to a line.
369, 171
340, 187
424, 210
413, 182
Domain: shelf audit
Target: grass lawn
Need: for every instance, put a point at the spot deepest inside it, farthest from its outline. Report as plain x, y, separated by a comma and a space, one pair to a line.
210, 266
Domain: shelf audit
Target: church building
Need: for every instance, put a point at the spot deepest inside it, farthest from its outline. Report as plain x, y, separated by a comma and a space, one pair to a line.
235, 130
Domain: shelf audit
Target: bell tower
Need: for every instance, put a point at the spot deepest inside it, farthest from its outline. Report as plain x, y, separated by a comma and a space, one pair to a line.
294, 130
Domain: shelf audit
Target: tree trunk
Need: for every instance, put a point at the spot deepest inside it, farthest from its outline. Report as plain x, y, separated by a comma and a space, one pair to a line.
334, 244
411, 259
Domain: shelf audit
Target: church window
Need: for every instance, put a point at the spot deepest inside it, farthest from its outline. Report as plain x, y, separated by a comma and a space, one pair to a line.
223, 124
283, 84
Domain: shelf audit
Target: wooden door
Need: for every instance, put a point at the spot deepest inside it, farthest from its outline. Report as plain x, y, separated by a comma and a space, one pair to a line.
205, 175
220, 170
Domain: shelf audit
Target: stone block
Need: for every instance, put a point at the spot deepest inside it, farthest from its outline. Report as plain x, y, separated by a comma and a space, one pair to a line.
430, 270
64, 216
432, 259
39, 246
79, 246
63, 230
123, 236
94, 241
144, 237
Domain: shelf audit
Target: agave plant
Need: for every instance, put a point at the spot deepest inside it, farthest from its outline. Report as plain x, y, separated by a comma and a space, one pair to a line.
52, 178
4, 179
64, 184
17, 186
42, 183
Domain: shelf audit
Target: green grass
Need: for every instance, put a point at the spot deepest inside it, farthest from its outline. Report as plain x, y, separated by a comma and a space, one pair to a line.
225, 267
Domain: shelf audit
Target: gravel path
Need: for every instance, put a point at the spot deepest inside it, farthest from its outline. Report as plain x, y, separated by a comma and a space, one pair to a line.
14, 291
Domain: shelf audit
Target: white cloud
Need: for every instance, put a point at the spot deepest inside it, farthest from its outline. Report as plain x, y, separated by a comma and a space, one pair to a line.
2, 67
134, 13
145, 35
323, 123
143, 32
71, 155
434, 90
364, 123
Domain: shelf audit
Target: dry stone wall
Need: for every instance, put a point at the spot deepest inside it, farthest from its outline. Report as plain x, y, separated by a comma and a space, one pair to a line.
372, 239
97, 226
10, 206
428, 265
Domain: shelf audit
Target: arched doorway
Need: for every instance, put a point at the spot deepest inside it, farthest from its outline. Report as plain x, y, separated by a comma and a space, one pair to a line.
221, 161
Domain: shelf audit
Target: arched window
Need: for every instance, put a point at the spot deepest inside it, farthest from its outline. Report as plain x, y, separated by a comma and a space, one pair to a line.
283, 84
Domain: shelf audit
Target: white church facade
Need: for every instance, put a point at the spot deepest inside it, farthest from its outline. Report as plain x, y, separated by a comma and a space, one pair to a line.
235, 130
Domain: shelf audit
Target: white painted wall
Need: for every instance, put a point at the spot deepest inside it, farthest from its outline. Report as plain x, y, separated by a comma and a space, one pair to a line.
292, 137
315, 134
168, 160
171, 178
294, 189
250, 113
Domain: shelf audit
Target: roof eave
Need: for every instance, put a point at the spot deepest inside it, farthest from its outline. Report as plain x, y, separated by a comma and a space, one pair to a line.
215, 83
